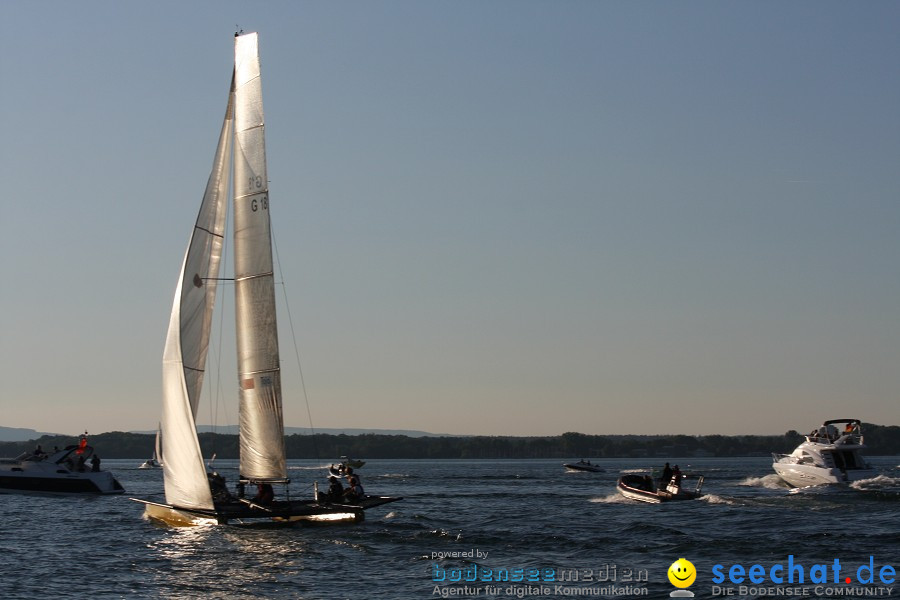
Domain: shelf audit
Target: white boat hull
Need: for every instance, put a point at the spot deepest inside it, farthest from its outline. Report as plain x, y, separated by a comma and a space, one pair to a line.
48, 478
639, 496
805, 475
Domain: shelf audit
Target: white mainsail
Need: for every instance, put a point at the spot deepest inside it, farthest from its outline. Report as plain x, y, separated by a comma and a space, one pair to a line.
187, 341
259, 375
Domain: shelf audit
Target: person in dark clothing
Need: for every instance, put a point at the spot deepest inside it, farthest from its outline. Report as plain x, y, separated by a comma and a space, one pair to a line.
264, 494
666, 476
335, 490
95, 463
218, 487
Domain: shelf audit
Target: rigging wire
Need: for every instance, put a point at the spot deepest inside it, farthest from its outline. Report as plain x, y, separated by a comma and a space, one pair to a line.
215, 396
287, 305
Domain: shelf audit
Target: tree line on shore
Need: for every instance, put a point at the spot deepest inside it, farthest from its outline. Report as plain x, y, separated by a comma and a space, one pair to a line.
881, 440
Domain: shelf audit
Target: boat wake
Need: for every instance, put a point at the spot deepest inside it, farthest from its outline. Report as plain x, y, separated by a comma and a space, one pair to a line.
307, 468
881, 482
826, 489
714, 499
615, 498
771, 482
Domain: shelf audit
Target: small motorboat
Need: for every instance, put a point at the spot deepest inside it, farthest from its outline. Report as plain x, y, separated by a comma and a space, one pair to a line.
827, 455
67, 471
150, 463
352, 462
341, 469
645, 488
583, 465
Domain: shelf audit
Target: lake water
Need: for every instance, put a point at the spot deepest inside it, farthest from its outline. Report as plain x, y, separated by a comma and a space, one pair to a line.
518, 518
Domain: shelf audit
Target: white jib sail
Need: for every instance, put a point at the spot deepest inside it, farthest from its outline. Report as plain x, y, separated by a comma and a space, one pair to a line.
259, 376
187, 341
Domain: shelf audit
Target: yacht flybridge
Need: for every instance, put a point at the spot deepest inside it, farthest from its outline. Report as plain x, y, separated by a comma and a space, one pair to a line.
831, 453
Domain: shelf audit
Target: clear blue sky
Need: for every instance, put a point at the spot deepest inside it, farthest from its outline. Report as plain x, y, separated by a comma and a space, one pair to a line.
493, 217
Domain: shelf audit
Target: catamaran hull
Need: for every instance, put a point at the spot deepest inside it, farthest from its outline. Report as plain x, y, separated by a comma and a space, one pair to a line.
806, 475
173, 517
284, 513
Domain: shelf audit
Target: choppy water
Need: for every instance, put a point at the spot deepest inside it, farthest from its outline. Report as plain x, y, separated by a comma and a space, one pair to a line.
522, 514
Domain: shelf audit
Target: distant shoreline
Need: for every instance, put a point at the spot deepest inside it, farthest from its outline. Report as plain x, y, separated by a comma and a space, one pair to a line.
880, 440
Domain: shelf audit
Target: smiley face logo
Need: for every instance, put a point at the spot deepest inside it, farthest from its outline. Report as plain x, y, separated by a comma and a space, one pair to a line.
682, 573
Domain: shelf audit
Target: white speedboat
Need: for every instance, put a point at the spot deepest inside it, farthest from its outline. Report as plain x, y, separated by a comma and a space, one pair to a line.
831, 453
64, 472
646, 488
583, 465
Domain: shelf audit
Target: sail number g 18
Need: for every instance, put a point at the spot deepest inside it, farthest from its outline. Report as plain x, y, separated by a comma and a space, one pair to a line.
259, 203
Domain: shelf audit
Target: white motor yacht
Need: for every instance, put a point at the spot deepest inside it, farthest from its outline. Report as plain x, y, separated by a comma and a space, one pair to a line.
831, 453
68, 471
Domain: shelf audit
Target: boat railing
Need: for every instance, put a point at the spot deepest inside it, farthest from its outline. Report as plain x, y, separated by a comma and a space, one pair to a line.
850, 439
699, 484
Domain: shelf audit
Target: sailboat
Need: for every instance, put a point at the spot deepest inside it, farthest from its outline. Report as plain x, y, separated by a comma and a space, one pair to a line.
153, 461
194, 495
